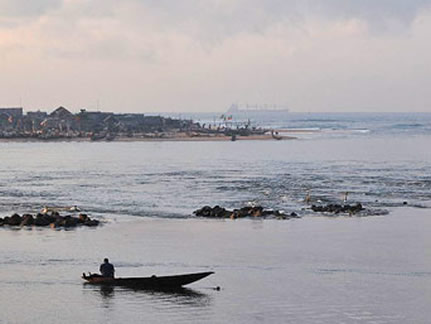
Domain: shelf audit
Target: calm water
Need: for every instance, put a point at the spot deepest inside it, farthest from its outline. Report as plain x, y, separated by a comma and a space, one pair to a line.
311, 270
315, 269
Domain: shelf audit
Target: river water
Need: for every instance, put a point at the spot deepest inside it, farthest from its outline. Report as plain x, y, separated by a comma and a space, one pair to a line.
316, 269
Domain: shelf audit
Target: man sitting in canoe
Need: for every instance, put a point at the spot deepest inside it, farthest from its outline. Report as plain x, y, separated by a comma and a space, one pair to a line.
107, 269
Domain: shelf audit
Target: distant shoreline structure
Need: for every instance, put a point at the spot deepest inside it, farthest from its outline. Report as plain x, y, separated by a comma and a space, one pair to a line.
61, 124
256, 109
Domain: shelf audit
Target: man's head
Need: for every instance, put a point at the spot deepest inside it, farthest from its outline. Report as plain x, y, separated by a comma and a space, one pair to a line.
106, 260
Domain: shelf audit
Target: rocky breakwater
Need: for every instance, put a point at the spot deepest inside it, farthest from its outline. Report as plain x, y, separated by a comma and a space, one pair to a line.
338, 209
253, 212
53, 220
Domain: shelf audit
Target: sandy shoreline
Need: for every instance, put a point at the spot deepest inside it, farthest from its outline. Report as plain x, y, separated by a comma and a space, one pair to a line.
179, 138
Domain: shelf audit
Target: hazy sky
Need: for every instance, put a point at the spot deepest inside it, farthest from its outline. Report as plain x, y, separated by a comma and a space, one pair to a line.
203, 55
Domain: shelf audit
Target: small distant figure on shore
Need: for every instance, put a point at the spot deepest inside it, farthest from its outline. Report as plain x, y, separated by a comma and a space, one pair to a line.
107, 269
307, 198
346, 194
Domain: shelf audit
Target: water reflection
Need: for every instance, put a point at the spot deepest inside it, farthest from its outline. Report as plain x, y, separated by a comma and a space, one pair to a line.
106, 291
179, 297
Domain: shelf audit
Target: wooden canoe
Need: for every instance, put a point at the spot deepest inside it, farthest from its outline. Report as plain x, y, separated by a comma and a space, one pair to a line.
153, 282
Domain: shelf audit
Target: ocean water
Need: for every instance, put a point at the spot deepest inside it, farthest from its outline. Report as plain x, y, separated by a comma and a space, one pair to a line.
316, 269
384, 165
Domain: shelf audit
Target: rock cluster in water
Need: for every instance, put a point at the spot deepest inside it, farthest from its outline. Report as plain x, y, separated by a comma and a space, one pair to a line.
257, 211
53, 220
337, 209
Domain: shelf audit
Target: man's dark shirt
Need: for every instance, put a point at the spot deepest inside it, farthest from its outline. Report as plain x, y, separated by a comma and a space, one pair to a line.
107, 270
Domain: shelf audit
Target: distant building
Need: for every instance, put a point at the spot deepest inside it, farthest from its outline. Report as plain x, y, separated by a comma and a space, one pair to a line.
92, 120
33, 119
4, 120
62, 123
132, 122
37, 115
9, 117
15, 112
61, 113
60, 120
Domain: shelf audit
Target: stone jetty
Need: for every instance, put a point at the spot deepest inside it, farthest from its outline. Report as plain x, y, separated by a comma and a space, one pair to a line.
337, 209
52, 219
261, 212
254, 212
